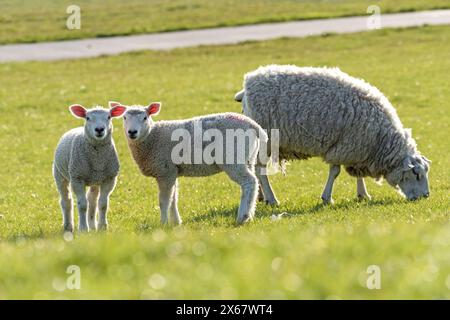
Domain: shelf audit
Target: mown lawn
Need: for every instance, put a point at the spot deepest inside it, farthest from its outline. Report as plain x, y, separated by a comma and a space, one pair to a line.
313, 252
32, 21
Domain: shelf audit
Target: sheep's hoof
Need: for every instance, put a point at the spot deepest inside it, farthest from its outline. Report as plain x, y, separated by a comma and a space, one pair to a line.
273, 203
364, 197
68, 228
177, 222
83, 229
260, 198
327, 201
244, 219
102, 227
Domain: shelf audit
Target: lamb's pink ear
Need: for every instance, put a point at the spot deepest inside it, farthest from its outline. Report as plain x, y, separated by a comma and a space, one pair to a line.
78, 111
153, 108
117, 111
113, 104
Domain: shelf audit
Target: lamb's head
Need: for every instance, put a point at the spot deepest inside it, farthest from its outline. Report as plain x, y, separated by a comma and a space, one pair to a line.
137, 120
98, 124
411, 176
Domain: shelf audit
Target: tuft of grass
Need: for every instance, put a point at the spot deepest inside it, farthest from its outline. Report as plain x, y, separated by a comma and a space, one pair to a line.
313, 252
31, 21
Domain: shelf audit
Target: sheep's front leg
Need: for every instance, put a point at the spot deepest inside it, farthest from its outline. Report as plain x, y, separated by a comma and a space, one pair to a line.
361, 189
166, 189
103, 201
79, 188
267, 191
175, 215
66, 203
92, 207
328, 190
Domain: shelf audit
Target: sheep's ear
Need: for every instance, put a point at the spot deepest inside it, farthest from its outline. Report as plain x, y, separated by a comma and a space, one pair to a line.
407, 164
153, 108
113, 104
117, 111
78, 111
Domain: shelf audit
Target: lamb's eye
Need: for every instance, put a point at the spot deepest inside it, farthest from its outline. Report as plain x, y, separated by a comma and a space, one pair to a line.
109, 117
145, 118
124, 118
87, 118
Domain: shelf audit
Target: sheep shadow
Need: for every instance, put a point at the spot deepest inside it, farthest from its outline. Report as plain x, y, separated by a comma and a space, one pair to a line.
265, 211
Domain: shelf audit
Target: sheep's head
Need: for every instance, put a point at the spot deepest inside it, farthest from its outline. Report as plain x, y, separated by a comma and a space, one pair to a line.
98, 124
137, 120
411, 177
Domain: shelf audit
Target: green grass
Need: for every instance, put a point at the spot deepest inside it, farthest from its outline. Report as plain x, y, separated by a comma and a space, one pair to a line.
314, 252
32, 21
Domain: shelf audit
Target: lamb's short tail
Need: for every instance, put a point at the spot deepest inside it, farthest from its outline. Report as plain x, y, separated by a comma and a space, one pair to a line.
239, 96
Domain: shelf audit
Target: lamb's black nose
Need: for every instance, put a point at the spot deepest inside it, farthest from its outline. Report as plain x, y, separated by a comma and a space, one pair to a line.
426, 195
99, 130
132, 134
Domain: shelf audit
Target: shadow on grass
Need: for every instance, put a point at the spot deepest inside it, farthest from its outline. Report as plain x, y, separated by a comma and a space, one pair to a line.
266, 211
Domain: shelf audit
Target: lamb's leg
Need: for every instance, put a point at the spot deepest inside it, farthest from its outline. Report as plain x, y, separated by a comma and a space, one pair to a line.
65, 202
328, 190
244, 176
267, 191
361, 189
79, 188
103, 201
175, 215
166, 189
92, 198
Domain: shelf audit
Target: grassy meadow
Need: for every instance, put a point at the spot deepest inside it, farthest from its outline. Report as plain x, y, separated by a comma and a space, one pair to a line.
45, 20
312, 252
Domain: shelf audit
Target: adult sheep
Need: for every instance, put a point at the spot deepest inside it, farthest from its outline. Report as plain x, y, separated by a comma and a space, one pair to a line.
345, 121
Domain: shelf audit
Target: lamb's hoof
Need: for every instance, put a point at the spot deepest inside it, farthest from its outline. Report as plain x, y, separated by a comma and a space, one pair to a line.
364, 197
102, 227
83, 229
177, 222
68, 228
327, 201
244, 219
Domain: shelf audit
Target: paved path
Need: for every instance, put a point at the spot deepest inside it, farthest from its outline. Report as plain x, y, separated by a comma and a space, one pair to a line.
74, 49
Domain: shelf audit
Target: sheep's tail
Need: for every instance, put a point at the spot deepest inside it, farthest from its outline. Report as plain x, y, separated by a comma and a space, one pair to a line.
239, 96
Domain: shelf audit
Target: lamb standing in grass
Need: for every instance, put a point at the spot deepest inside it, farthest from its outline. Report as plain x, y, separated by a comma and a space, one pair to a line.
154, 146
87, 157
325, 112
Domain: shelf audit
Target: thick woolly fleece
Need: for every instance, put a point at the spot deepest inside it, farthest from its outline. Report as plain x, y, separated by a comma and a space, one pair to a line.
153, 155
327, 113
78, 156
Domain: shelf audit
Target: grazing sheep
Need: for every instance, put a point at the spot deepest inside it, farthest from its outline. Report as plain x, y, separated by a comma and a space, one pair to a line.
166, 150
87, 157
325, 112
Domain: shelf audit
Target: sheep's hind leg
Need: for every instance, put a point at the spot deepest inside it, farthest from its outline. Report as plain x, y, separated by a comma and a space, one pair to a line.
265, 186
244, 176
328, 190
361, 189
174, 214
92, 207
166, 189
66, 203
103, 202
79, 188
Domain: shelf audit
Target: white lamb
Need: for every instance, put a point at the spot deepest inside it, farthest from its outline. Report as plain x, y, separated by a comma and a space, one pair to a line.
86, 156
166, 150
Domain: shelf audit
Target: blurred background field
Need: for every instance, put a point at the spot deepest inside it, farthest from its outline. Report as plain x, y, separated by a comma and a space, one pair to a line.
45, 20
313, 252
